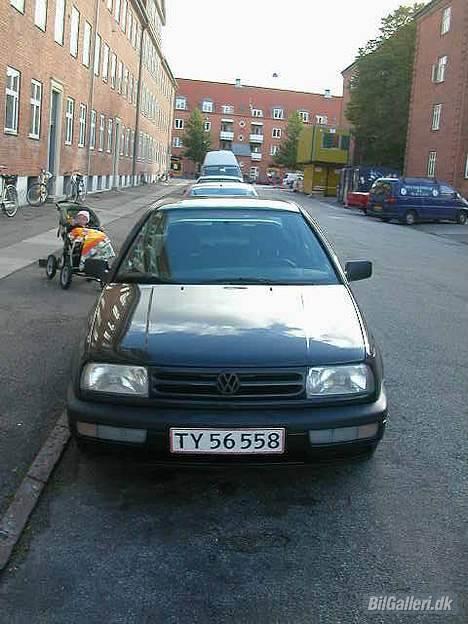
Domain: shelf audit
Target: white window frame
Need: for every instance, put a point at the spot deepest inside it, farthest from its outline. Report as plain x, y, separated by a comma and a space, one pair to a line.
69, 120
446, 20
35, 109
179, 124
125, 82
431, 164
304, 116
439, 69
113, 70
278, 113
274, 149
177, 142
123, 14
122, 141
228, 109
74, 31
102, 126
436, 116
466, 167
18, 5
97, 55
120, 77
15, 95
178, 105
92, 130
127, 141
207, 126
257, 112
110, 129
105, 62
321, 120
117, 6
254, 172
86, 55
207, 106
276, 133
59, 21
82, 132
40, 14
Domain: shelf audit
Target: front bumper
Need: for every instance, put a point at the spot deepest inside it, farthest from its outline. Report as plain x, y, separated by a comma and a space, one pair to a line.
297, 421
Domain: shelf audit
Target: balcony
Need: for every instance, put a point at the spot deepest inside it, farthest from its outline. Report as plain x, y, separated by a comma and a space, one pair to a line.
256, 138
226, 135
256, 156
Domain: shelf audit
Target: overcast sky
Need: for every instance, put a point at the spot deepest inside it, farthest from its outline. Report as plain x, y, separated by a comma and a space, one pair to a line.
307, 42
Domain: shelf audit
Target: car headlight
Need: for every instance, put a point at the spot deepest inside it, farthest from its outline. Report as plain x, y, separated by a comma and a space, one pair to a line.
346, 380
115, 379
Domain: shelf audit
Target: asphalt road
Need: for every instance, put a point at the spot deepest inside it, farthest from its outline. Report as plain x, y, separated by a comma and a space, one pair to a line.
118, 542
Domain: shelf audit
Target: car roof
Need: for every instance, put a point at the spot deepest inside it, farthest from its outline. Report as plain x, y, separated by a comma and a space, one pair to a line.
234, 202
220, 177
222, 184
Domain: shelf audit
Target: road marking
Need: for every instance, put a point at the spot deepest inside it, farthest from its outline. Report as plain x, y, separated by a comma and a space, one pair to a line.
27, 495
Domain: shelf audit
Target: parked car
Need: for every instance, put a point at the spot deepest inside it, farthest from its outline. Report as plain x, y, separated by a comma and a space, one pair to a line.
206, 179
416, 199
220, 189
227, 332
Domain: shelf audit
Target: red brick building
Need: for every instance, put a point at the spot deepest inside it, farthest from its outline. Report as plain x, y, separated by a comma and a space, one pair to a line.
438, 124
85, 86
250, 121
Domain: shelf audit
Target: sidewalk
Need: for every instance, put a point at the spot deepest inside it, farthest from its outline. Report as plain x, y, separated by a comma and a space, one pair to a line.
32, 234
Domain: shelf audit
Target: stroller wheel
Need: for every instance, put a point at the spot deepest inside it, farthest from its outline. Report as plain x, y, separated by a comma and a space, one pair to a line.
51, 266
65, 276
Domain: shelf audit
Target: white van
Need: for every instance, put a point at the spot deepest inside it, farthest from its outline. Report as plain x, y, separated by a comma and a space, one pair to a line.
221, 163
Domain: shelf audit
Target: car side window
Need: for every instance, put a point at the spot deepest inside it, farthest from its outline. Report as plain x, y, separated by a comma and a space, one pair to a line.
428, 191
146, 248
446, 190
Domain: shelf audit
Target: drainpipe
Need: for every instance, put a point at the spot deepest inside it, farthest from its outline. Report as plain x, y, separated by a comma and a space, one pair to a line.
91, 86
137, 115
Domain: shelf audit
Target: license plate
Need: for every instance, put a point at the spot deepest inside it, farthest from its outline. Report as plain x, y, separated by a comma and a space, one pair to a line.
377, 208
227, 441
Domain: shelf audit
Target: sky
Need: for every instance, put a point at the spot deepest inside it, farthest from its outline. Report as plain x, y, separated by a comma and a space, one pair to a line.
306, 42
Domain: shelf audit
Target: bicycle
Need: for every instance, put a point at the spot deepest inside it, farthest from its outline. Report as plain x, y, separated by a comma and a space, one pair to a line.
38, 192
77, 189
8, 194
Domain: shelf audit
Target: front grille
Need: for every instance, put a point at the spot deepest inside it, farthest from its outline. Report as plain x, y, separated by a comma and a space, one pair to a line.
203, 384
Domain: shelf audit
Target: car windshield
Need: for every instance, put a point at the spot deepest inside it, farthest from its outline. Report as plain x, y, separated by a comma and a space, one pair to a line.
210, 170
222, 190
226, 246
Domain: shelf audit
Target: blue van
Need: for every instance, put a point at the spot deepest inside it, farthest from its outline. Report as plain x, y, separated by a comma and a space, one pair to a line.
416, 199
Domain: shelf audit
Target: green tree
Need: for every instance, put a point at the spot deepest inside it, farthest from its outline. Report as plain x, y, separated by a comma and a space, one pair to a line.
380, 91
287, 153
196, 141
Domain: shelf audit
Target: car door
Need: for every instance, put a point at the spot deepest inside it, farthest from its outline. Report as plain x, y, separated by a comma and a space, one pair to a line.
428, 200
447, 202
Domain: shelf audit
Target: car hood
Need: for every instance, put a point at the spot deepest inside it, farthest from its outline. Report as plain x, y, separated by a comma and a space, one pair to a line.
219, 326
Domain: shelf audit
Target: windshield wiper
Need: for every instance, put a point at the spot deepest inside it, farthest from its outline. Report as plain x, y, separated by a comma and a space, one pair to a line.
229, 281
135, 277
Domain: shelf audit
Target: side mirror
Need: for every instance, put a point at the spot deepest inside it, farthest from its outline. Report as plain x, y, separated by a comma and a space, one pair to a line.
97, 269
359, 270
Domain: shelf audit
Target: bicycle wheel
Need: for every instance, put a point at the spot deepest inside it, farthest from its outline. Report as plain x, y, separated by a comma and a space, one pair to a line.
10, 203
37, 194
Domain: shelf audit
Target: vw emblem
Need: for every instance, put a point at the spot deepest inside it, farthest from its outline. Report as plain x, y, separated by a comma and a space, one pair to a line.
228, 383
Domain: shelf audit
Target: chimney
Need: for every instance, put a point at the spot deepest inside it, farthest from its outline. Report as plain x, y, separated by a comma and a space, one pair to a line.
238, 82
327, 93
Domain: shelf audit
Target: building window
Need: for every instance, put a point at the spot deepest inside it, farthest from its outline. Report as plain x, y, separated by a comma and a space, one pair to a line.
207, 106
113, 70
74, 30
278, 113
274, 150
179, 124
228, 109
109, 134
330, 140
345, 140
439, 69
123, 21
102, 123
69, 114
82, 134
12, 100
97, 55
120, 78
436, 113
59, 23
125, 83
321, 120
127, 141
253, 173
117, 10
177, 142
207, 126
181, 103
40, 14
130, 89
431, 164
35, 103
304, 115
446, 18
105, 62
92, 130
257, 112
86, 44
18, 4
276, 133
